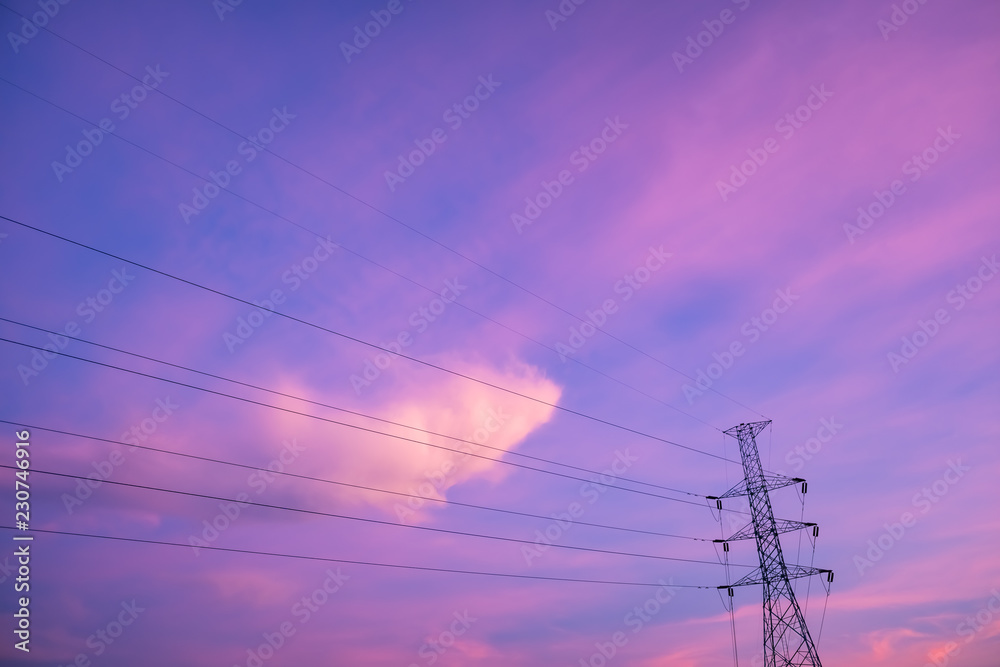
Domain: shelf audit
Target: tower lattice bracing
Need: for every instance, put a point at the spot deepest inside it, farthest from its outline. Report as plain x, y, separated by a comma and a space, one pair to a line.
787, 642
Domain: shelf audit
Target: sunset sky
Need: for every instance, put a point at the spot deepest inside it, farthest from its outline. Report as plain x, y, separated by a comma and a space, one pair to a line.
589, 237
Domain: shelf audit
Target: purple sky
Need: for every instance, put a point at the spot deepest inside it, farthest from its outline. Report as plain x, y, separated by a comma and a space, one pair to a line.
800, 211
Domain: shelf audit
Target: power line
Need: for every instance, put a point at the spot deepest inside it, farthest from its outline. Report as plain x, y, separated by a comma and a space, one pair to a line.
340, 423
345, 410
380, 522
366, 343
347, 484
364, 258
358, 562
413, 229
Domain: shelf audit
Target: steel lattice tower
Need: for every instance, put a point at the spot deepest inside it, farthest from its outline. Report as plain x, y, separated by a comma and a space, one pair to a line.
787, 642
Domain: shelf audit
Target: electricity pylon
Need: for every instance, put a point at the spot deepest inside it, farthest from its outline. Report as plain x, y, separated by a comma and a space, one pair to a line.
787, 642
